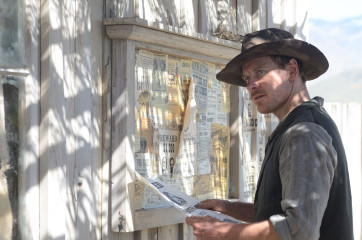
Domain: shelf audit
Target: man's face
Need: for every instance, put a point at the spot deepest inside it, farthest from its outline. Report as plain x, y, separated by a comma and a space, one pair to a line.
268, 85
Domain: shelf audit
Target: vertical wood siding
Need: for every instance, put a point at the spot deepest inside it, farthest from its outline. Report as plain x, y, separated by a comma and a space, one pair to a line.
70, 124
348, 120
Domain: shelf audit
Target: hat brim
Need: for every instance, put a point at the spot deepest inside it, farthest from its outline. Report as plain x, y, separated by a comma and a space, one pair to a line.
313, 60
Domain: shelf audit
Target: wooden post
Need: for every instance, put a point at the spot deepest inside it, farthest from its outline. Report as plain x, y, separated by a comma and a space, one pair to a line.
6, 219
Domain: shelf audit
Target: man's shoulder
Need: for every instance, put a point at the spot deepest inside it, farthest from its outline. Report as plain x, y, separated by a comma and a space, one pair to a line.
306, 128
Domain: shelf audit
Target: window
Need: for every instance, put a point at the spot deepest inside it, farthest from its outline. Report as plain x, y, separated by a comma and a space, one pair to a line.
11, 34
11, 77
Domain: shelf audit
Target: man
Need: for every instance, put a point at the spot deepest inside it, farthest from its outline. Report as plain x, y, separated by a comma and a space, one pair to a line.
303, 190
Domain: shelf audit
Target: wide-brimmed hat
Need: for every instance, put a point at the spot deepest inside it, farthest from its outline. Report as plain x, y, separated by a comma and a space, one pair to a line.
273, 41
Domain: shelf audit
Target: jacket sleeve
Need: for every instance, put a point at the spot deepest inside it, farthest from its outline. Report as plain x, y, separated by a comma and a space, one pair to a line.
307, 163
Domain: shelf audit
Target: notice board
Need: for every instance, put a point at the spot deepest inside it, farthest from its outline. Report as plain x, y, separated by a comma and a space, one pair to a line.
167, 116
181, 126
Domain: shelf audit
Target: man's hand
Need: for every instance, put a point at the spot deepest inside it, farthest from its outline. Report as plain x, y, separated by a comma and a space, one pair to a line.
239, 210
219, 205
206, 228
209, 228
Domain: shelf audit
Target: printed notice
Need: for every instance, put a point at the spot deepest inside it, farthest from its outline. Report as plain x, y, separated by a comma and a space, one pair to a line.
182, 201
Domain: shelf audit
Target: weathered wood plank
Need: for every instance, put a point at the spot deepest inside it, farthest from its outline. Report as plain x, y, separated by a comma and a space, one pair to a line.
259, 9
348, 120
120, 8
122, 164
275, 12
187, 232
70, 92
160, 11
52, 126
225, 15
290, 16
189, 16
87, 115
146, 234
182, 14
171, 14
70, 119
114, 196
29, 134
134, 29
181, 53
302, 19
106, 156
147, 10
335, 111
6, 219
244, 16
168, 232
235, 146
217, 16
351, 137
157, 217
97, 36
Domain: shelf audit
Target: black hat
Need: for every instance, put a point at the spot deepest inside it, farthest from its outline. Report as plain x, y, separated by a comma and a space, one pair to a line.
273, 41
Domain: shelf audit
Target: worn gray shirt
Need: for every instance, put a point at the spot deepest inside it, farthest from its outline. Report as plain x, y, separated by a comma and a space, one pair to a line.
307, 162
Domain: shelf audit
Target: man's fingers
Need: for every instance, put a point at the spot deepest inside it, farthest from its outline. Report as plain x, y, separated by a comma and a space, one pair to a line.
207, 204
189, 220
192, 220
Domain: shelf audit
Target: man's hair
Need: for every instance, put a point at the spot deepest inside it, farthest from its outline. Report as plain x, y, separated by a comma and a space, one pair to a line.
281, 61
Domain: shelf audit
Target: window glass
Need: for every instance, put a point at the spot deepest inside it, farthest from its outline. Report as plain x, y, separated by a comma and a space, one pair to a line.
11, 34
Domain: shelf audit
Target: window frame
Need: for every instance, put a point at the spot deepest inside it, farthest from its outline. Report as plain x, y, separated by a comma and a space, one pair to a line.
29, 112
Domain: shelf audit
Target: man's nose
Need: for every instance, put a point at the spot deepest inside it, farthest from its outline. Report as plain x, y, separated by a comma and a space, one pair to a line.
252, 84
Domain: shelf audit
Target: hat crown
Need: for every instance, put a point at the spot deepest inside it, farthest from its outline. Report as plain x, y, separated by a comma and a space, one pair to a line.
264, 36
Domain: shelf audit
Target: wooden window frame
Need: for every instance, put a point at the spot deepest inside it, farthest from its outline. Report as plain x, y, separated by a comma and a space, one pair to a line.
28, 70
128, 35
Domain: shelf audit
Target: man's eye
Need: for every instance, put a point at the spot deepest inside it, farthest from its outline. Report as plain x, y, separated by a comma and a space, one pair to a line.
260, 72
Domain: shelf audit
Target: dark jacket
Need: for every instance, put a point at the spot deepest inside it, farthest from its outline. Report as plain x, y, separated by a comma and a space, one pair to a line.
337, 220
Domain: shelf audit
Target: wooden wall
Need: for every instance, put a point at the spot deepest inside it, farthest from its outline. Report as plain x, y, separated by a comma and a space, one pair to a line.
211, 16
71, 41
348, 118
66, 110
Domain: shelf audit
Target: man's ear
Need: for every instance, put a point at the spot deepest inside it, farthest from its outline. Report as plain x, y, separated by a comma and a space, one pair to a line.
292, 68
